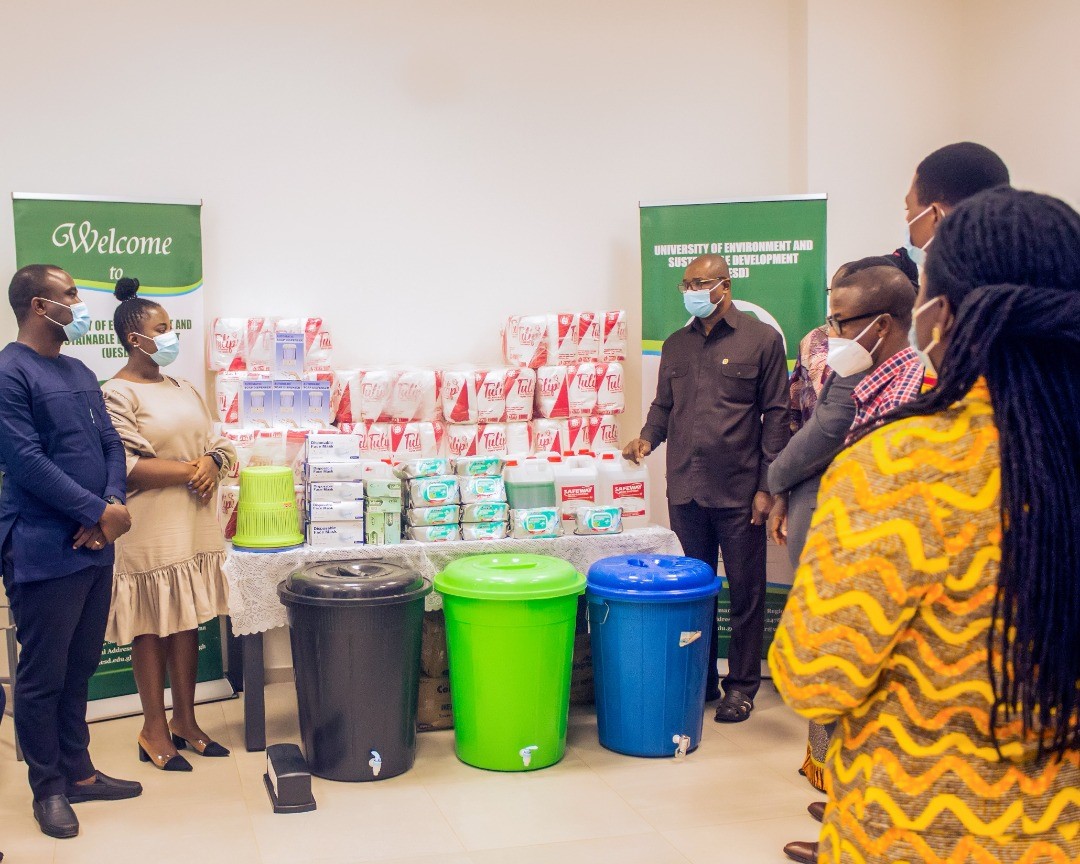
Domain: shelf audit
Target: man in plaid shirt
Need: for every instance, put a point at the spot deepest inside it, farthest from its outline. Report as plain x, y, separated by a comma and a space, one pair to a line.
873, 307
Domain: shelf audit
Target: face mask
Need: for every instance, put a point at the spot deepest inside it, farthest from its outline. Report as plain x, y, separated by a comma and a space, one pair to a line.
917, 253
913, 340
848, 357
167, 345
80, 320
697, 303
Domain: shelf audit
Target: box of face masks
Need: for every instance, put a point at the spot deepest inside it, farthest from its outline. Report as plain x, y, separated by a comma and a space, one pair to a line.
257, 404
335, 533
336, 511
335, 472
334, 492
325, 448
288, 404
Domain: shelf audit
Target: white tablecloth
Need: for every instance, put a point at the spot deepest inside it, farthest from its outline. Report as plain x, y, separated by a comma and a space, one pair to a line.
254, 576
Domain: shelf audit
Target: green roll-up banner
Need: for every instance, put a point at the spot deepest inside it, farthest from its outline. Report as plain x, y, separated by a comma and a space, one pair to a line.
97, 241
775, 249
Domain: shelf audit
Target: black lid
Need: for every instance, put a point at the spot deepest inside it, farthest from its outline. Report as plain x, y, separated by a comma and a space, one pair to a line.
353, 583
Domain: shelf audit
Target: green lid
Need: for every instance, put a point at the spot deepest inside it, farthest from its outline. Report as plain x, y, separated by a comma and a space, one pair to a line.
509, 577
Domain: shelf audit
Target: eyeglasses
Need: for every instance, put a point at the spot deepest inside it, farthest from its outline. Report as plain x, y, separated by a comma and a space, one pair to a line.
700, 284
836, 323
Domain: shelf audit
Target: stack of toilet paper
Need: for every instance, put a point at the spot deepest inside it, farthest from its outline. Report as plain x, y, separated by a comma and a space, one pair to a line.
391, 395
565, 338
248, 344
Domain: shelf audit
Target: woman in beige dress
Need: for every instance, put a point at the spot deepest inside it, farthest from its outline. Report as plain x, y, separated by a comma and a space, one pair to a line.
168, 577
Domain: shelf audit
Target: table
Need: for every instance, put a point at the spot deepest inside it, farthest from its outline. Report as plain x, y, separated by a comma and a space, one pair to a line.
254, 576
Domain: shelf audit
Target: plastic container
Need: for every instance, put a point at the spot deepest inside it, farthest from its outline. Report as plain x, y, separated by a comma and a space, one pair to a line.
575, 485
510, 633
355, 631
267, 518
621, 483
649, 621
529, 483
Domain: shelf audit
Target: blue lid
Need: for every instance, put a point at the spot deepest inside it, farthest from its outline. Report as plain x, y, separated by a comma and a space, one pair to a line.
652, 578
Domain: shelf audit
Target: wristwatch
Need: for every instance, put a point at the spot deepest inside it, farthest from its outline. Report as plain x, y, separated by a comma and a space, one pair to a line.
112, 499
219, 460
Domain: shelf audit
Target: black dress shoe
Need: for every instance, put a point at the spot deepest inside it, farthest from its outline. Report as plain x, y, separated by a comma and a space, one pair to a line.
803, 852
734, 707
712, 695
104, 788
817, 810
56, 818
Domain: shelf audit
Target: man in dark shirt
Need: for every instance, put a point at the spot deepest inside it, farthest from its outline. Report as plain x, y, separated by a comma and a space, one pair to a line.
722, 407
61, 507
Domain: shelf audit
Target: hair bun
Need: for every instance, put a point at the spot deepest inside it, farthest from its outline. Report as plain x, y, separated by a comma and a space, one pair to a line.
126, 289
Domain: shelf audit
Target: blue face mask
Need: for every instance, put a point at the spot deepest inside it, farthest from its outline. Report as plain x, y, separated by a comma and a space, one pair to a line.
167, 347
913, 340
79, 325
917, 253
698, 304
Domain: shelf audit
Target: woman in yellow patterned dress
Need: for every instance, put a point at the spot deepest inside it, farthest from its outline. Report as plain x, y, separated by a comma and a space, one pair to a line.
936, 609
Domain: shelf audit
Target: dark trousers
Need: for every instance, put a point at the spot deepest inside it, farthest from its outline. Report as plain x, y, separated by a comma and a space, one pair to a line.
60, 624
704, 532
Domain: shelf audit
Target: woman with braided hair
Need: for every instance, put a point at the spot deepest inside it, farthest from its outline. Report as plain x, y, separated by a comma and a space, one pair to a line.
936, 609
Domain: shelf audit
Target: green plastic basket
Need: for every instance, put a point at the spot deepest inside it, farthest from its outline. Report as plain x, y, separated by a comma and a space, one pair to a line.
266, 514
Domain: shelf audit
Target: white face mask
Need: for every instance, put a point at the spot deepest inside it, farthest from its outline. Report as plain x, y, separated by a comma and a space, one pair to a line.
848, 357
917, 253
913, 340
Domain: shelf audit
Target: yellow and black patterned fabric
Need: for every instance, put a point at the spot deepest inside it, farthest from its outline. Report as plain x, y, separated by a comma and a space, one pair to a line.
886, 632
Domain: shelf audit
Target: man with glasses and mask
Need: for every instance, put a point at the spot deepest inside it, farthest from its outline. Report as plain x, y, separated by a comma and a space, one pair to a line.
722, 407
61, 508
868, 332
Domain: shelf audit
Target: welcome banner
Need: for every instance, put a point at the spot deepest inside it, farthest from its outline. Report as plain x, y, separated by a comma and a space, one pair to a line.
97, 241
775, 249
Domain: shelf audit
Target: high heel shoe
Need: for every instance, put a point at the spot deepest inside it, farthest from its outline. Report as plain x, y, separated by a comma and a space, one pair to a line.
165, 763
208, 748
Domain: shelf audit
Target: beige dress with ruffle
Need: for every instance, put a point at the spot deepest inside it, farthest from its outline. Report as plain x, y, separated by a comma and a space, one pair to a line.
168, 575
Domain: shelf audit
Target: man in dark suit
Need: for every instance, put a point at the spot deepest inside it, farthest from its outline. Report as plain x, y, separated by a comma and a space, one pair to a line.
61, 508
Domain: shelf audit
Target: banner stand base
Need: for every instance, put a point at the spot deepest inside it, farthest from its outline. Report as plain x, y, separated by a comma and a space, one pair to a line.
126, 706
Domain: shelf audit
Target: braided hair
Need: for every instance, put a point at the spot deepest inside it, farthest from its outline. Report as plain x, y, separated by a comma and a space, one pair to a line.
1009, 264
132, 310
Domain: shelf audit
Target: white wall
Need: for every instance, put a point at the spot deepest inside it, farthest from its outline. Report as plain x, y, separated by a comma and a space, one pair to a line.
1021, 85
883, 93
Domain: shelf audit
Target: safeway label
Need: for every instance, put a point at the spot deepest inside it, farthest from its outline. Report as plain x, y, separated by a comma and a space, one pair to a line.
628, 490
579, 493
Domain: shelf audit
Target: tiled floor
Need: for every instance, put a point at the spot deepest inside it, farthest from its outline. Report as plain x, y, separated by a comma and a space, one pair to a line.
738, 798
